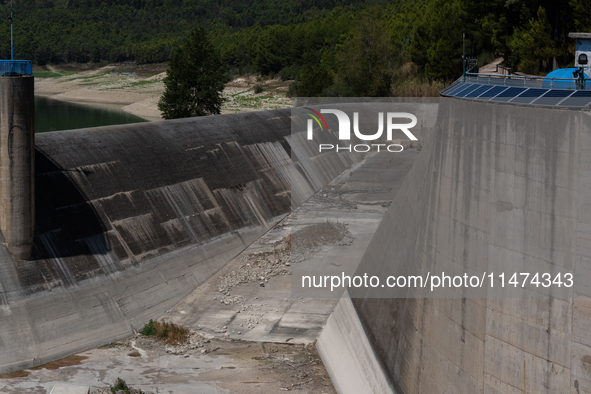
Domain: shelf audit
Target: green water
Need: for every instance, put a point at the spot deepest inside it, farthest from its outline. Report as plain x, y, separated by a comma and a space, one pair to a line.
53, 115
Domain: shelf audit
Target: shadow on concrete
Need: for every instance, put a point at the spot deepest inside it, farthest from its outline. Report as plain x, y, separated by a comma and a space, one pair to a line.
67, 224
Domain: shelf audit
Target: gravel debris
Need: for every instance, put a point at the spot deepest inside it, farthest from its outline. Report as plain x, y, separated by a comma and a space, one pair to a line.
256, 267
260, 266
309, 240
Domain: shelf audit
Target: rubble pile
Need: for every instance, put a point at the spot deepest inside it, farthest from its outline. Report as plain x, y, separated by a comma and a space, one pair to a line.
256, 267
309, 240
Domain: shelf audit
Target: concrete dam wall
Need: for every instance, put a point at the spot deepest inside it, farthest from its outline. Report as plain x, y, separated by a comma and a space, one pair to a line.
499, 185
131, 218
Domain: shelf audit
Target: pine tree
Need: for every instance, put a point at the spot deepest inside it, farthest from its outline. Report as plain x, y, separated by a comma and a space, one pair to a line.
194, 81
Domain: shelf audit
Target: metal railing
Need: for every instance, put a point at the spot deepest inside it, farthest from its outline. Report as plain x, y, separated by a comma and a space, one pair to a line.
15, 68
529, 81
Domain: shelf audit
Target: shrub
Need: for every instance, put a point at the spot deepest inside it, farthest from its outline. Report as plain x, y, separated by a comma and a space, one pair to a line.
163, 334
258, 89
166, 332
417, 88
120, 385
149, 329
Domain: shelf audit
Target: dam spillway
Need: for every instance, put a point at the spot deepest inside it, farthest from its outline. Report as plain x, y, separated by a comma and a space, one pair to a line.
132, 218
137, 216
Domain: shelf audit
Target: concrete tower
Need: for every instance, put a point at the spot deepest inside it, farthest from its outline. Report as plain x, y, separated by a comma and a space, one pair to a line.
17, 156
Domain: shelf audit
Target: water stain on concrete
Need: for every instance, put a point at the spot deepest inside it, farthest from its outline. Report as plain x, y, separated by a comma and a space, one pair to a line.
64, 362
504, 206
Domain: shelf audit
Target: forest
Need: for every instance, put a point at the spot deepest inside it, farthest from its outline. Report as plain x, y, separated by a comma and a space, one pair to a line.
328, 47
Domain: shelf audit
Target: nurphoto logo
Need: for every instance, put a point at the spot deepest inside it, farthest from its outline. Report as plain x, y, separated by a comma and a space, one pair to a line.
345, 130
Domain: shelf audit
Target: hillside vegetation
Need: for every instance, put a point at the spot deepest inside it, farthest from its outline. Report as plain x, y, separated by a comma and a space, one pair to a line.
329, 47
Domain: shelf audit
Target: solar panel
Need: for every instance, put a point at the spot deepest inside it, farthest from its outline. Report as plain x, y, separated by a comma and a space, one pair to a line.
491, 93
580, 98
456, 89
553, 97
528, 96
508, 94
464, 92
459, 89
479, 91
519, 94
444, 91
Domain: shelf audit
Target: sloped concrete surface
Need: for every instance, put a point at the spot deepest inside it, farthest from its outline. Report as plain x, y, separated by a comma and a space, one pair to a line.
497, 185
350, 359
280, 318
132, 218
274, 312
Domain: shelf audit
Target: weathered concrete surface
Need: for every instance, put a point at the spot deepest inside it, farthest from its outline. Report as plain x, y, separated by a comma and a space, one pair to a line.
357, 199
205, 366
273, 313
351, 361
498, 185
17, 145
131, 218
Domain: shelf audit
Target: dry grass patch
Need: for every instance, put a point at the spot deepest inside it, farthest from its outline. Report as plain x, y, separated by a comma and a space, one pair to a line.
169, 333
407, 84
417, 88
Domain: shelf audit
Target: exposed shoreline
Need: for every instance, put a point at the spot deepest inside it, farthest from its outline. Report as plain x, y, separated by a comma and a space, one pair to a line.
145, 109
138, 94
105, 88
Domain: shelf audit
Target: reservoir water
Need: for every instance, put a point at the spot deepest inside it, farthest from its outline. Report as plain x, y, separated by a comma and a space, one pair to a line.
53, 115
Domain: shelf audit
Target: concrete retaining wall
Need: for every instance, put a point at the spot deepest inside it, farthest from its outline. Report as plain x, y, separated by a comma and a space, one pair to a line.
496, 184
349, 356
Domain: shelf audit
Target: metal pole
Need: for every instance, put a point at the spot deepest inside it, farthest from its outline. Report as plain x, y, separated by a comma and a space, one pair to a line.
11, 41
463, 55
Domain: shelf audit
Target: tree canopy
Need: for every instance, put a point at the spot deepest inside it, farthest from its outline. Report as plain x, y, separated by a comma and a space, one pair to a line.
325, 45
194, 80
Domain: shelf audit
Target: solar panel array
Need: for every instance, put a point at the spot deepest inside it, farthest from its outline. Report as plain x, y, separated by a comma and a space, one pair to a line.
521, 95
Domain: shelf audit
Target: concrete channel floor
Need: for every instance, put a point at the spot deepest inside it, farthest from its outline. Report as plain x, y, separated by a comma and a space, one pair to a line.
356, 199
256, 310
